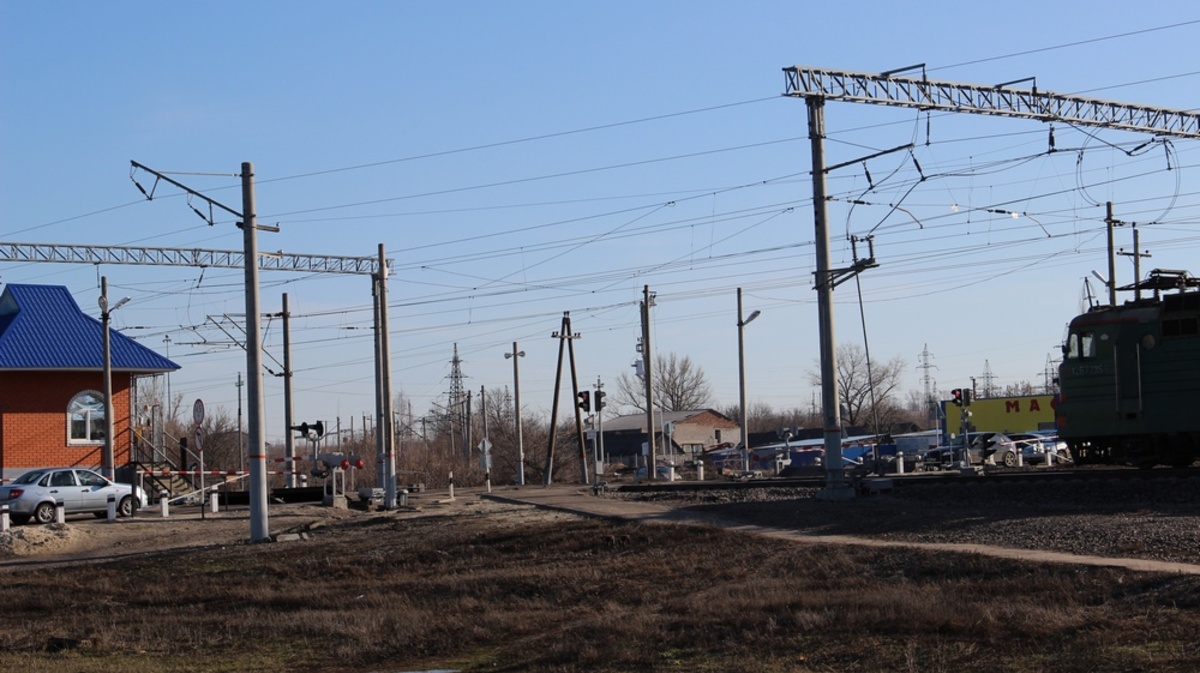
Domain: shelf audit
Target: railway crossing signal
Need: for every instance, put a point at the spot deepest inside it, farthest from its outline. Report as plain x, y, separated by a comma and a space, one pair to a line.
956, 396
585, 401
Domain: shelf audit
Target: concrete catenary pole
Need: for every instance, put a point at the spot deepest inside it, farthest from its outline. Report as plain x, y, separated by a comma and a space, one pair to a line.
386, 418
835, 478
256, 443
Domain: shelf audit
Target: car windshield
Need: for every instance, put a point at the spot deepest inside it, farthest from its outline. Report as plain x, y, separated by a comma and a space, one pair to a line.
29, 477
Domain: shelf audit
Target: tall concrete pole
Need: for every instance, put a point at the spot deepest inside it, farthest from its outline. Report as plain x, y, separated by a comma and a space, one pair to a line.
648, 365
289, 442
380, 458
256, 444
517, 355
386, 419
835, 478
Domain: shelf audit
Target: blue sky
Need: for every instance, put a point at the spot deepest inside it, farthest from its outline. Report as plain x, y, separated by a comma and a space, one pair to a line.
523, 159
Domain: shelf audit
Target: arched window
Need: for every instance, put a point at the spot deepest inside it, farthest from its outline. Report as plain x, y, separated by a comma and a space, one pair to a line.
85, 418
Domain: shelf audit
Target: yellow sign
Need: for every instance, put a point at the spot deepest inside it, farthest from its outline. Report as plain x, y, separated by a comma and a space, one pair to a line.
1007, 414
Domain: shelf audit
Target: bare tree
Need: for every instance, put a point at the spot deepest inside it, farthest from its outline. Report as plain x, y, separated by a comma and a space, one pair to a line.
858, 390
678, 385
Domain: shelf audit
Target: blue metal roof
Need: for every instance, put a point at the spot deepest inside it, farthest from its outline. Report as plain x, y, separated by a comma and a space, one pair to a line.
41, 327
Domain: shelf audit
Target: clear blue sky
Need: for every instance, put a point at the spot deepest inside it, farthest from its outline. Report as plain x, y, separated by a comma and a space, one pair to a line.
523, 159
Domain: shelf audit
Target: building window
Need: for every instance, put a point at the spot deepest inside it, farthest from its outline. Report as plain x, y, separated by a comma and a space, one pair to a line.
85, 418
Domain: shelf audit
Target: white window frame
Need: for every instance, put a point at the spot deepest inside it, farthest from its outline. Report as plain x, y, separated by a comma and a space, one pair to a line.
93, 419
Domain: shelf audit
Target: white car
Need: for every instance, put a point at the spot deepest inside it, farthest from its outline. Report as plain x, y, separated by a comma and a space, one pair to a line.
34, 494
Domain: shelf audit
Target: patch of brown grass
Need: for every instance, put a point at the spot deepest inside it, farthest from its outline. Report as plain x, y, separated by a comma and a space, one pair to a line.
476, 593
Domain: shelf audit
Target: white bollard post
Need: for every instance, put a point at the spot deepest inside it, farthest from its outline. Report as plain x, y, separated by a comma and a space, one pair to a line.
899, 462
4, 520
163, 503
60, 512
451, 485
214, 501
700, 470
112, 508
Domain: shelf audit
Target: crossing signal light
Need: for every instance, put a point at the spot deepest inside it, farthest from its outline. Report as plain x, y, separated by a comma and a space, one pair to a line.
966, 397
600, 399
585, 401
956, 396
304, 428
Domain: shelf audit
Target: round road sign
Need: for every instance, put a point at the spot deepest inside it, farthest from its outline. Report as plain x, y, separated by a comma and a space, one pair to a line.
198, 411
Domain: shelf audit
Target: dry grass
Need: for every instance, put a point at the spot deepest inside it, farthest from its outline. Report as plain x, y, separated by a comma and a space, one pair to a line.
476, 593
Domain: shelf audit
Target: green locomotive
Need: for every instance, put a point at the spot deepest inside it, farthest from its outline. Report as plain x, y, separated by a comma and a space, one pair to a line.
1130, 377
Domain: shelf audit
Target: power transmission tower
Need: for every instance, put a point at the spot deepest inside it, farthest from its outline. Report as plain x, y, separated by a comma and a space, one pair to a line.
927, 379
816, 86
989, 380
457, 398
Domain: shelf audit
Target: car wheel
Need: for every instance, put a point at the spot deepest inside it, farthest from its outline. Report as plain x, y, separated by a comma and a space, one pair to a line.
1010, 459
44, 513
125, 507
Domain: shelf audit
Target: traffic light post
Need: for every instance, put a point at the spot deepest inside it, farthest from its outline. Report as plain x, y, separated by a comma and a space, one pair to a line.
961, 397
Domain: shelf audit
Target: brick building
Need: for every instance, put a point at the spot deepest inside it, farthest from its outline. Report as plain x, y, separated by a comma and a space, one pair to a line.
51, 382
692, 433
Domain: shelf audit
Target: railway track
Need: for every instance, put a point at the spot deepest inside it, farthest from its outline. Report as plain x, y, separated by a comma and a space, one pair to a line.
869, 483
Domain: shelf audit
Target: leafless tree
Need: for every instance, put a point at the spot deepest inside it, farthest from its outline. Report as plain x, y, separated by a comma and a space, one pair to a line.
679, 385
866, 398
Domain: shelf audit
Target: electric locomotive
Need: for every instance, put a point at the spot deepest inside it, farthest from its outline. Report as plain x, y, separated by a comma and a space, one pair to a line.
1130, 377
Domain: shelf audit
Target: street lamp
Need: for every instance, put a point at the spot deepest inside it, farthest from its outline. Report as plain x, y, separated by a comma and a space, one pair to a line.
106, 461
516, 355
742, 377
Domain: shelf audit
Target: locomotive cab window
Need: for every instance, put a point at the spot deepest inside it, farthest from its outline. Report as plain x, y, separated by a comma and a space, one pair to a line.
1081, 345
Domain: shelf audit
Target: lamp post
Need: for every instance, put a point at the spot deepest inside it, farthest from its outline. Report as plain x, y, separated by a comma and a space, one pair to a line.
742, 377
106, 461
516, 355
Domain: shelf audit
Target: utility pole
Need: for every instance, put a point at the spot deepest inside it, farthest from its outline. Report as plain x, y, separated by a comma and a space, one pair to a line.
516, 355
565, 342
835, 477
241, 436
648, 365
106, 460
583, 462
387, 435
289, 442
256, 447
1111, 223
1137, 256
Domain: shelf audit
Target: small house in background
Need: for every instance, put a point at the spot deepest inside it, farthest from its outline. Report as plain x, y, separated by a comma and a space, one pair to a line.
688, 434
52, 383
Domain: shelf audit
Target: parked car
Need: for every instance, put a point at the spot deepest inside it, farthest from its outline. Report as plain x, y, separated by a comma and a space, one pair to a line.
34, 494
1037, 444
982, 447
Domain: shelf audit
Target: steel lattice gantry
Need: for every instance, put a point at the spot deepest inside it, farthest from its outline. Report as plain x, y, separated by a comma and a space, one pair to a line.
929, 94
816, 86
199, 257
